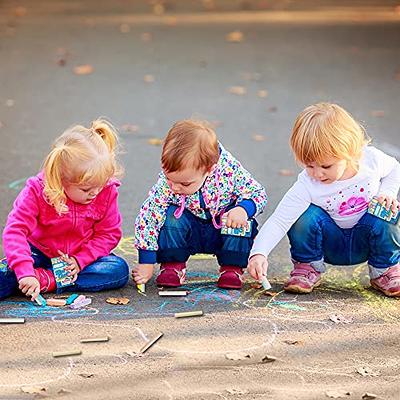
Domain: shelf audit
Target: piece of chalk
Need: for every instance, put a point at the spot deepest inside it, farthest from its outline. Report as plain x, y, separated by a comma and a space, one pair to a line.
12, 320
79, 298
40, 300
67, 353
172, 293
71, 298
80, 304
150, 343
189, 314
94, 340
265, 283
56, 302
141, 288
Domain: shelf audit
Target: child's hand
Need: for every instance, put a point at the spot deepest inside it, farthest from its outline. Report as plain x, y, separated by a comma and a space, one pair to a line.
142, 273
389, 202
236, 218
30, 286
258, 267
73, 267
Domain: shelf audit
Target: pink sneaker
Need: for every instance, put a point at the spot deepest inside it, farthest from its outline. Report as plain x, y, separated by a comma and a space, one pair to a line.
171, 274
303, 279
230, 277
389, 282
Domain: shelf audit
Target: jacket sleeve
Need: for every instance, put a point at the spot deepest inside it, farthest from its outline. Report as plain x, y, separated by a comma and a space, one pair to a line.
247, 188
151, 218
21, 221
107, 233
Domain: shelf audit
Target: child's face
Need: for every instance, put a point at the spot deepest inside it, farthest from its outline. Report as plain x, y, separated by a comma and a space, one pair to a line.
186, 181
82, 194
331, 170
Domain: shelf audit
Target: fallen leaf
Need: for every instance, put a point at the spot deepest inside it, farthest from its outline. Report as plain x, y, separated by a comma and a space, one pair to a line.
148, 78
237, 356
84, 69
124, 28
273, 109
269, 293
256, 285
262, 93
336, 394
292, 342
155, 141
130, 128
33, 389
268, 359
259, 138
234, 37
84, 375
171, 21
369, 396
10, 102
238, 90
337, 319
378, 113
365, 371
61, 55
117, 300
146, 37
20, 11
286, 172
158, 9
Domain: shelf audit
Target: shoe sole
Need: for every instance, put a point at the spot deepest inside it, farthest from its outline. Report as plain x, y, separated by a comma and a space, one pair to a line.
385, 292
229, 287
298, 289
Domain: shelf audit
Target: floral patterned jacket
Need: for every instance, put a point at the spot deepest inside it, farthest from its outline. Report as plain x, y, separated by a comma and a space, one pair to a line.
228, 183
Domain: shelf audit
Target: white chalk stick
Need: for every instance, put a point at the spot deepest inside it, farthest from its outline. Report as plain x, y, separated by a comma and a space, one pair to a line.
172, 293
150, 343
67, 353
265, 283
189, 314
94, 340
12, 320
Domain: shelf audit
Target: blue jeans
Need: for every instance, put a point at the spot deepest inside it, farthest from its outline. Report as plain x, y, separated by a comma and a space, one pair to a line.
108, 272
315, 237
181, 237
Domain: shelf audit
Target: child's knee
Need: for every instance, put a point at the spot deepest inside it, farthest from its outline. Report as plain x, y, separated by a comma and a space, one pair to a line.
172, 222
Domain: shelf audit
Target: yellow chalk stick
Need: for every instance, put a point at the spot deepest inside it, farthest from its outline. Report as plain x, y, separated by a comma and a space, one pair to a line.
67, 353
94, 340
189, 314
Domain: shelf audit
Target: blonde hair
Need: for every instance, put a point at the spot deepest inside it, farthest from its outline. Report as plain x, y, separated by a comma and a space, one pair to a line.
189, 143
79, 156
327, 130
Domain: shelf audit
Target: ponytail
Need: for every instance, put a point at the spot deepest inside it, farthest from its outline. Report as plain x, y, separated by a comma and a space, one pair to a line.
107, 132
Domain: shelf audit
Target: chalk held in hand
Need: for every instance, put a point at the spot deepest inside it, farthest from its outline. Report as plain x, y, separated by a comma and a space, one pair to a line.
141, 288
40, 300
189, 314
265, 283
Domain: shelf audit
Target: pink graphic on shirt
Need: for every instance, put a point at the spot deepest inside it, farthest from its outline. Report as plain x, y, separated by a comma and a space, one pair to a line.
353, 206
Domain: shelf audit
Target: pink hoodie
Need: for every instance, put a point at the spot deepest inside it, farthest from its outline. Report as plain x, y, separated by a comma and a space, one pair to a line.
86, 231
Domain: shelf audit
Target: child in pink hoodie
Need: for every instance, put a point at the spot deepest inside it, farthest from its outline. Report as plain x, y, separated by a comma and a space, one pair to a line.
68, 210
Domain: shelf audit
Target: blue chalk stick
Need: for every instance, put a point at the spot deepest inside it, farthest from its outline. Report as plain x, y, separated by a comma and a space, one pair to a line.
71, 298
41, 301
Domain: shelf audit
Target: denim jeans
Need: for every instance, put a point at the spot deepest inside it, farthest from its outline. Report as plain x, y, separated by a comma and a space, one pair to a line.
181, 237
108, 272
315, 237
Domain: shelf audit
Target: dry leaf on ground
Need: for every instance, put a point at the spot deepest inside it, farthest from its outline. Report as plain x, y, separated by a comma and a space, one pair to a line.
20, 11
368, 396
337, 319
273, 109
238, 90
378, 113
269, 293
237, 356
155, 141
259, 138
268, 359
124, 28
293, 342
83, 375
84, 69
62, 55
256, 285
337, 394
286, 172
130, 128
33, 389
262, 93
117, 300
234, 37
149, 78
366, 371
146, 37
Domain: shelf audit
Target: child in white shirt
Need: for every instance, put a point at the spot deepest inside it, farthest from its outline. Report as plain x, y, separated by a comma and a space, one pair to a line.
325, 211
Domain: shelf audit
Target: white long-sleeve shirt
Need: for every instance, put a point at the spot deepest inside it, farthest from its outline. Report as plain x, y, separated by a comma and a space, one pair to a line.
346, 201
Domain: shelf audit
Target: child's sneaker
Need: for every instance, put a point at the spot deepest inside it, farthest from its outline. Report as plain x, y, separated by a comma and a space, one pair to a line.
171, 275
230, 278
46, 279
303, 279
389, 282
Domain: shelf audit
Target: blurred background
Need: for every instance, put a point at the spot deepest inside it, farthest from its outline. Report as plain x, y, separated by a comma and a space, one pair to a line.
248, 66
